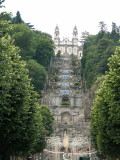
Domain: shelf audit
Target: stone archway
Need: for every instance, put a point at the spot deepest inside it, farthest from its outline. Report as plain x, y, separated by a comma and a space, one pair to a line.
65, 99
66, 118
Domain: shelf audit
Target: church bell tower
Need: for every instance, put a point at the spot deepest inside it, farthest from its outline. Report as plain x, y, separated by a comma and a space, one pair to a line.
56, 35
75, 36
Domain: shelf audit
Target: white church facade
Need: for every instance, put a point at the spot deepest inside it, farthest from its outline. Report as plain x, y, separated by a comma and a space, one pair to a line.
67, 47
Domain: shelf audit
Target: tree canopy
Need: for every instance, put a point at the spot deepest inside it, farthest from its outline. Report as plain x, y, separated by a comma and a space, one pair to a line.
38, 75
44, 49
17, 19
36, 48
18, 101
105, 120
47, 120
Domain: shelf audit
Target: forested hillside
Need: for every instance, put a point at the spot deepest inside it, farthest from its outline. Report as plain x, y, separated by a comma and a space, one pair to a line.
97, 49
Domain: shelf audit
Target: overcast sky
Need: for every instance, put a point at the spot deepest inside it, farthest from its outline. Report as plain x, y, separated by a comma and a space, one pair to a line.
85, 14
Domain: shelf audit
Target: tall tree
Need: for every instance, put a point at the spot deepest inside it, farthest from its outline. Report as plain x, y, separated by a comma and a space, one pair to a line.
23, 37
102, 32
105, 122
17, 19
37, 74
115, 32
47, 119
18, 101
102, 26
46, 130
44, 51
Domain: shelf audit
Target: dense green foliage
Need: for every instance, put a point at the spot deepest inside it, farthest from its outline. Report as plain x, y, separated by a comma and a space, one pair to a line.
22, 122
37, 74
97, 49
34, 45
45, 129
18, 101
105, 122
23, 38
47, 119
44, 49
19, 127
17, 19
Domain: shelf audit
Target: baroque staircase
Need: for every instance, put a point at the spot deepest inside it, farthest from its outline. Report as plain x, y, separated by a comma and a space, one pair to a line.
65, 97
